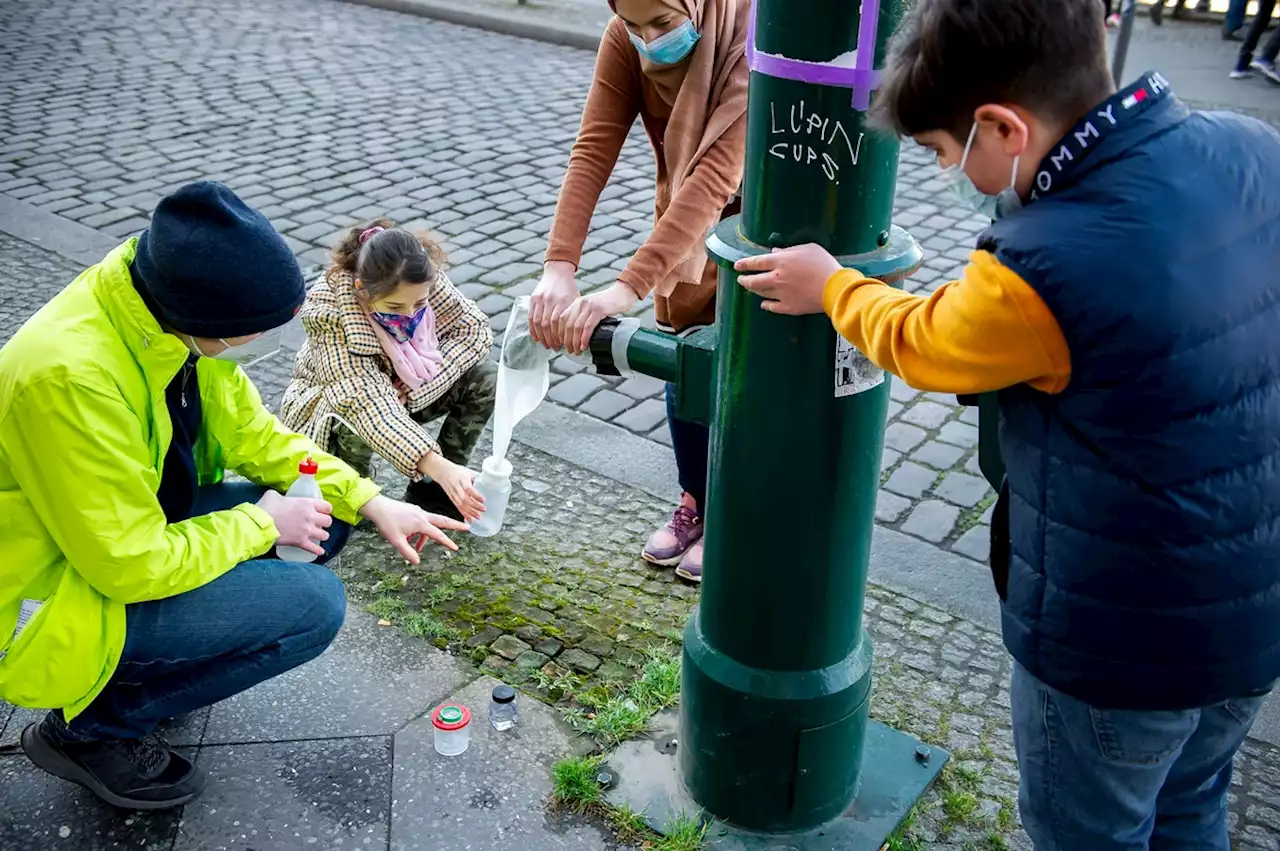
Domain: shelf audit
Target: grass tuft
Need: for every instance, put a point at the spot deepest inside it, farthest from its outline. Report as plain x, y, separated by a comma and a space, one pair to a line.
387, 607
576, 787
902, 838
685, 833
559, 685
427, 626
627, 824
619, 714
960, 806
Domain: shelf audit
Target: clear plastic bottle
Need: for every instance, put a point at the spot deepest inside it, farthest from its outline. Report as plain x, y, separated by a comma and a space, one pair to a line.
503, 713
494, 484
305, 488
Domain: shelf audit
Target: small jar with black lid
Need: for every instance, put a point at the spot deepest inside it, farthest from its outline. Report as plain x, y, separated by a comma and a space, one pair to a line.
503, 714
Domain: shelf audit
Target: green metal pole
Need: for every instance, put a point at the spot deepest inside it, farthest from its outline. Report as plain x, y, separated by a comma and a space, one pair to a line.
777, 667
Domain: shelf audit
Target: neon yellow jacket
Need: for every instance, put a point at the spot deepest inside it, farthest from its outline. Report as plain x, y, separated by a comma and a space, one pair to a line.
83, 434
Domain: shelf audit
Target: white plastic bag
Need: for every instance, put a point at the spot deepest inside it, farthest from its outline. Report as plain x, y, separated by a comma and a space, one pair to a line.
524, 377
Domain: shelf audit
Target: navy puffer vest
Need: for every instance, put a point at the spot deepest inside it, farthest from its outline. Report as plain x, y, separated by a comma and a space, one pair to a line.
1145, 499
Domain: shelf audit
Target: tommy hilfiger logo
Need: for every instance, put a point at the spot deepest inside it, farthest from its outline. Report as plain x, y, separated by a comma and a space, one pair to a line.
1134, 99
1090, 131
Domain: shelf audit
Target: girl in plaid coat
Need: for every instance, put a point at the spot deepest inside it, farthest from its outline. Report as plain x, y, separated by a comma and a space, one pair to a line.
392, 346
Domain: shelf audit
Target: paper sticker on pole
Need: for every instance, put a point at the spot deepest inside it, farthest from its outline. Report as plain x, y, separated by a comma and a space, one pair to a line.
855, 373
852, 70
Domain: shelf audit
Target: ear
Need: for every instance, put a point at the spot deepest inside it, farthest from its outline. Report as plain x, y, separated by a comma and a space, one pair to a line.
1010, 125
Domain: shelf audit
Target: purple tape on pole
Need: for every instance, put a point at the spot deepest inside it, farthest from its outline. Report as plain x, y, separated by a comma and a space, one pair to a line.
869, 22
862, 78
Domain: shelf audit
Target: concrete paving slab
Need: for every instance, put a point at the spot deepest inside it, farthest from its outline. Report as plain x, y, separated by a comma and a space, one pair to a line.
187, 730
932, 575
41, 812
17, 723
180, 732
493, 796
5, 711
291, 796
372, 681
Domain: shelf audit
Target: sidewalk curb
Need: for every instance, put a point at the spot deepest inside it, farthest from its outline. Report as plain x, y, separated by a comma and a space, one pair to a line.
565, 36
60, 235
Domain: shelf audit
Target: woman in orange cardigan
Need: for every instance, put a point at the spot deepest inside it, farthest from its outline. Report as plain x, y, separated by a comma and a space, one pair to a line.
680, 66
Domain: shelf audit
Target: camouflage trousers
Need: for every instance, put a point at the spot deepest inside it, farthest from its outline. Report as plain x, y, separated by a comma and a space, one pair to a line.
466, 408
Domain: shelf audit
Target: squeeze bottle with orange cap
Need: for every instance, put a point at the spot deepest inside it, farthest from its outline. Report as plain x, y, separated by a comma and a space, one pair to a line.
304, 488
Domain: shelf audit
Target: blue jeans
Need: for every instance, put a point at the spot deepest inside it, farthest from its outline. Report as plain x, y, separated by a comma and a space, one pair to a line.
1120, 780
691, 443
256, 621
1257, 30
1235, 16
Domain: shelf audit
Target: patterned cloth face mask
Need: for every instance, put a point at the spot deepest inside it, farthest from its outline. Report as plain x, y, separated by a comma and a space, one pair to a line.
400, 326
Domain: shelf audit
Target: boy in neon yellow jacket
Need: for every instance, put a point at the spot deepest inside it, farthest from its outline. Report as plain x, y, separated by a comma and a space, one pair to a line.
135, 584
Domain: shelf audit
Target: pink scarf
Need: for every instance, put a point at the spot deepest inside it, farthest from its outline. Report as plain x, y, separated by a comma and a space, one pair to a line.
417, 361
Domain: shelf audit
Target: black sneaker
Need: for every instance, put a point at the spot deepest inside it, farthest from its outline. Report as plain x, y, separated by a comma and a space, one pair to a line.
141, 774
1157, 12
431, 498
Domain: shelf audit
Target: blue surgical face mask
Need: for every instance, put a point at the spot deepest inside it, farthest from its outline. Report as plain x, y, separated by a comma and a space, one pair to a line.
669, 48
962, 188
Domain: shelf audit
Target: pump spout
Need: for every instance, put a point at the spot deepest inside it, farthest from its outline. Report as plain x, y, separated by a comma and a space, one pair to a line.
623, 346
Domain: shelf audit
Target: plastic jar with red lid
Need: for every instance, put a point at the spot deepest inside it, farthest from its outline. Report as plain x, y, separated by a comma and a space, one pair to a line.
453, 729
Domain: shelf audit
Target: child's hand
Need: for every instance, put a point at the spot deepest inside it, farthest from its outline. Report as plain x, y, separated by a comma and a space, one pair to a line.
457, 482
791, 280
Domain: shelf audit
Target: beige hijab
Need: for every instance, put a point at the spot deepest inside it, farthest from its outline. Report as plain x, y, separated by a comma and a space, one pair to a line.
707, 95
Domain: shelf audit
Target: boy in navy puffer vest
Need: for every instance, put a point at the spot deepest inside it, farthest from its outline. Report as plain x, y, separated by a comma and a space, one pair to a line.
1126, 305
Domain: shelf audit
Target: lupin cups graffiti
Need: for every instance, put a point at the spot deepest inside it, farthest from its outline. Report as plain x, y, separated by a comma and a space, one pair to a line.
813, 140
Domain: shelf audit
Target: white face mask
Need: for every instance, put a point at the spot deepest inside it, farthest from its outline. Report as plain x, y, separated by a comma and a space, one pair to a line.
961, 186
247, 354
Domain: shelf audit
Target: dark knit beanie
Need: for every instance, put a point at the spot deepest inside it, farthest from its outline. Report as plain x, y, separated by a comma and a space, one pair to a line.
211, 266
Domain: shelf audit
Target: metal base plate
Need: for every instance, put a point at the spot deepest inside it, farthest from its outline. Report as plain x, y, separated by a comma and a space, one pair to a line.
648, 782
